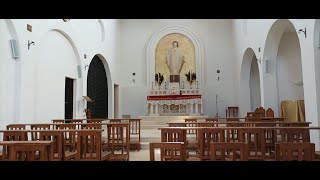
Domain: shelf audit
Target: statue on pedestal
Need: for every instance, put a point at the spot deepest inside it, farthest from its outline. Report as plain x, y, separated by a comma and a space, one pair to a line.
175, 61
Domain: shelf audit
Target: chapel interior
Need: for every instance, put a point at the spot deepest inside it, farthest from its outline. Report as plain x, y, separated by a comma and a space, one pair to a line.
160, 89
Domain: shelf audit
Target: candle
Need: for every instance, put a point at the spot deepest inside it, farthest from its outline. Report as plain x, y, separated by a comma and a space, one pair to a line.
190, 75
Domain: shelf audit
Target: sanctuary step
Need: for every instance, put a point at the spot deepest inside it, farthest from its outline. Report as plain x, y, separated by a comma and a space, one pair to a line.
150, 125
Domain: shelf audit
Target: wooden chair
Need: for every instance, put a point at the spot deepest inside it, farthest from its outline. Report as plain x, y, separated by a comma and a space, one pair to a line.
89, 147
173, 135
228, 151
134, 138
255, 139
115, 120
269, 113
94, 120
232, 111
193, 123
211, 119
58, 144
207, 136
15, 136
295, 135
16, 127
207, 124
58, 121
261, 111
177, 124
192, 136
232, 135
91, 126
118, 138
169, 151
302, 151
270, 136
76, 121
69, 136
12, 136
88, 113
32, 151
35, 135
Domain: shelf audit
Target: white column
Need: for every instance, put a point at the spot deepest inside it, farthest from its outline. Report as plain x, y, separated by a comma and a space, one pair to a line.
191, 109
197, 111
156, 110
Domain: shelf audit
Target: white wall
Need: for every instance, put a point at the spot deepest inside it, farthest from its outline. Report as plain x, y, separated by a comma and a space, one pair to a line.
56, 61
7, 74
35, 89
255, 95
253, 33
217, 43
289, 68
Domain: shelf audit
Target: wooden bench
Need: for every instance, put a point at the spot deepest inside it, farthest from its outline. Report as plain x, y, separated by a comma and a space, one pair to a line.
295, 151
27, 150
118, 138
89, 147
224, 151
135, 134
169, 151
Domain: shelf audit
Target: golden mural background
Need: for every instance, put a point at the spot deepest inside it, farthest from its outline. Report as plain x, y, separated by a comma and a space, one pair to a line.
162, 49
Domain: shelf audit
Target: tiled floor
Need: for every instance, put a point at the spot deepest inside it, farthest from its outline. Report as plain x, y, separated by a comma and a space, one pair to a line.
143, 155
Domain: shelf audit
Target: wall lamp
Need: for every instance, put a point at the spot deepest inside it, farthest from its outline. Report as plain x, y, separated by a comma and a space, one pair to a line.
29, 43
259, 60
304, 31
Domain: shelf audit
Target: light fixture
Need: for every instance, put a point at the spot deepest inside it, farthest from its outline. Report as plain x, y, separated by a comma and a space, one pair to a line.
29, 43
259, 60
304, 31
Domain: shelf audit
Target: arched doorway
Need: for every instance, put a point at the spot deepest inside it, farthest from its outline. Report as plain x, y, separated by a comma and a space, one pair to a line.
255, 94
284, 81
97, 88
250, 96
56, 65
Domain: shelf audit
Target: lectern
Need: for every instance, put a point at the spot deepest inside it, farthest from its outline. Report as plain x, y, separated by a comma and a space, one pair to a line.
88, 110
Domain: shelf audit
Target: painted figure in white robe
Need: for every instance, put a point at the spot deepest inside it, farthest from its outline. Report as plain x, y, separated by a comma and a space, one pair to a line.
175, 59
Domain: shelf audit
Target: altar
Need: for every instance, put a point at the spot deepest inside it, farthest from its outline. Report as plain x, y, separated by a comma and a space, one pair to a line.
175, 77
162, 103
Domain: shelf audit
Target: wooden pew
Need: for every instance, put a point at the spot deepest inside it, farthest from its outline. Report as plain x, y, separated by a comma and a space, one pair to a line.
297, 151
228, 151
135, 134
169, 151
255, 139
118, 138
89, 147
35, 134
28, 150
207, 136
16, 127
58, 144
